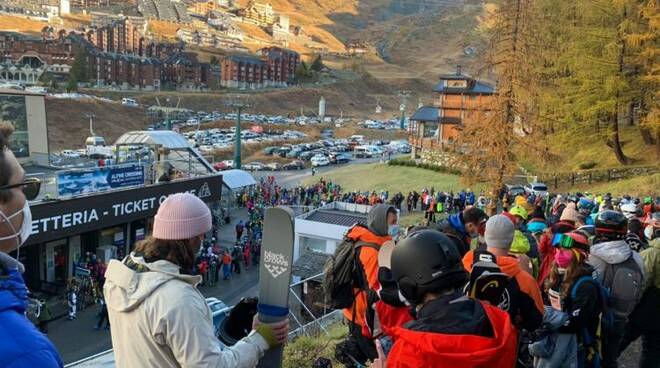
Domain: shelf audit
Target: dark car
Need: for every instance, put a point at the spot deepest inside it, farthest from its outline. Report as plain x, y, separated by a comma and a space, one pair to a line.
294, 165
270, 150
340, 158
307, 155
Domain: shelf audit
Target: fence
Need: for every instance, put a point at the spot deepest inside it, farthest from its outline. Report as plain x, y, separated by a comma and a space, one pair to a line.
596, 175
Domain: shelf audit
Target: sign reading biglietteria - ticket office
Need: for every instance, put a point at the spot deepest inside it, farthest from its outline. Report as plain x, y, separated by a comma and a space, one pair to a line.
57, 219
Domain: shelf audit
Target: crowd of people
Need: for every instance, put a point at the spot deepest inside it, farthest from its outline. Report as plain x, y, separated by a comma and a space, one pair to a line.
567, 281
561, 281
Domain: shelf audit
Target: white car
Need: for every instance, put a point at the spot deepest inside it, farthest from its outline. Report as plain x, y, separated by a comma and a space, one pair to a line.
254, 166
320, 160
70, 153
229, 163
129, 102
538, 189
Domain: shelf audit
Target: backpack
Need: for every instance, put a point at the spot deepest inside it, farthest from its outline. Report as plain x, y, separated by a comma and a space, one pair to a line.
344, 273
594, 343
624, 282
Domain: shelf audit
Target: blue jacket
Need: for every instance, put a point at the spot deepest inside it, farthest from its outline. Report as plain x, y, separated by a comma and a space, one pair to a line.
21, 344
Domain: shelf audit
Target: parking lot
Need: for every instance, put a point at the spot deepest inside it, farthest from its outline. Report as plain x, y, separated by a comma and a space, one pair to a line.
322, 153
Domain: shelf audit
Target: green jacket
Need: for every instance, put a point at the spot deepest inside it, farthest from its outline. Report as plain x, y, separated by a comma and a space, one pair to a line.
651, 257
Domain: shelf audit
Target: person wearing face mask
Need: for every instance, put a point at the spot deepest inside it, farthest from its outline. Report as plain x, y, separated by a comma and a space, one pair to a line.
381, 227
463, 226
571, 290
158, 316
21, 344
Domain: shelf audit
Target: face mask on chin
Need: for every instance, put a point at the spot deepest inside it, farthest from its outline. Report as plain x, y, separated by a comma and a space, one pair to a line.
25, 230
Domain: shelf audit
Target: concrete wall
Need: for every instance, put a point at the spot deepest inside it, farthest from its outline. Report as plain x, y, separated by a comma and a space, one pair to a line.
37, 130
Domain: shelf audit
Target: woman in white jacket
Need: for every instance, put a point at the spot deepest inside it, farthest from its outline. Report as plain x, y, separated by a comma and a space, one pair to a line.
158, 317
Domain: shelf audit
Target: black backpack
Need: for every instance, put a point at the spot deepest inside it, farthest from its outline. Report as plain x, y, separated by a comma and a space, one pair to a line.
344, 274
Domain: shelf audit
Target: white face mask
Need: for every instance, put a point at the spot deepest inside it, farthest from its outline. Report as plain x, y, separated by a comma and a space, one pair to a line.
26, 227
648, 232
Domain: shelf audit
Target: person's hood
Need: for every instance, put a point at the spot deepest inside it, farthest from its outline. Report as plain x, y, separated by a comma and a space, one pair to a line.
361, 233
377, 219
456, 221
655, 243
463, 350
10, 263
611, 252
125, 288
507, 264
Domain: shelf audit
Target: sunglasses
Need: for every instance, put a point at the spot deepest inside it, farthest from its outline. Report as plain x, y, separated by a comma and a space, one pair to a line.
29, 186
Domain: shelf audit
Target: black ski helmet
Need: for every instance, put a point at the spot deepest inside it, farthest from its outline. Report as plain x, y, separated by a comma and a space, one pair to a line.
611, 224
426, 261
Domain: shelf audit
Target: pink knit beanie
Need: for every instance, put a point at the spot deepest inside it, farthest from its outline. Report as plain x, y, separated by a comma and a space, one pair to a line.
181, 216
569, 213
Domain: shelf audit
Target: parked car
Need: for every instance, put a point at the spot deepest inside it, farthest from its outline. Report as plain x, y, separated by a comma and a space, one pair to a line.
129, 102
294, 165
219, 311
340, 158
320, 160
273, 166
306, 155
70, 153
254, 166
270, 150
221, 166
228, 163
538, 189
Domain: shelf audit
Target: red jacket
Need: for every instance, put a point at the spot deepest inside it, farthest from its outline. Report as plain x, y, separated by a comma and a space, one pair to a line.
413, 349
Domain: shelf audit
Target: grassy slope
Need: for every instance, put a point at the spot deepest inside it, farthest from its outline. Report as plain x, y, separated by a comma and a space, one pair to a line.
575, 149
644, 185
377, 177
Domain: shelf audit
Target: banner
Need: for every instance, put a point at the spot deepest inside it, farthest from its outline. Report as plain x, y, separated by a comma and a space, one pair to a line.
98, 179
58, 219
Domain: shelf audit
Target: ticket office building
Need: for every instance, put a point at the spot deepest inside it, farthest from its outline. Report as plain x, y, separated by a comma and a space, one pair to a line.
106, 224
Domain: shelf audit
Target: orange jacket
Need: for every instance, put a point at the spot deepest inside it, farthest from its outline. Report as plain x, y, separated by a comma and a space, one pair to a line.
369, 262
529, 288
414, 349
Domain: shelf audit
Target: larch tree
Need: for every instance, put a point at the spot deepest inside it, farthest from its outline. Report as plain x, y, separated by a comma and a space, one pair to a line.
642, 35
505, 127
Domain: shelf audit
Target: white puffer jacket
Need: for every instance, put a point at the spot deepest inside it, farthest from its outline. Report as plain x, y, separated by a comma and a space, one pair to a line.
160, 319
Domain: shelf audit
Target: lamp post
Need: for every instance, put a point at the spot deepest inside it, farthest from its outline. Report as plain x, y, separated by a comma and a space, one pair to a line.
404, 98
237, 104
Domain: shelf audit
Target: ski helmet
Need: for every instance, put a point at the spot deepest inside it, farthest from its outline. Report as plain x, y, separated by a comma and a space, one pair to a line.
629, 210
519, 211
425, 261
611, 223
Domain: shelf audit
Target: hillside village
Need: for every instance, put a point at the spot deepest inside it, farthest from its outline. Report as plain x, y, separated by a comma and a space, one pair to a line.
155, 44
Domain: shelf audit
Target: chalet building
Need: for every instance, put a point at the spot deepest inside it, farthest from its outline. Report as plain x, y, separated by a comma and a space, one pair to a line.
259, 13
458, 100
242, 71
282, 64
185, 72
25, 58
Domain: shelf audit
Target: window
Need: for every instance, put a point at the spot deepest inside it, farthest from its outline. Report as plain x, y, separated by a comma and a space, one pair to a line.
13, 111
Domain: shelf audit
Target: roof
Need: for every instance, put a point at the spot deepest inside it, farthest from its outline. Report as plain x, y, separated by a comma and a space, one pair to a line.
426, 113
337, 217
245, 59
166, 138
234, 179
9, 91
309, 264
474, 87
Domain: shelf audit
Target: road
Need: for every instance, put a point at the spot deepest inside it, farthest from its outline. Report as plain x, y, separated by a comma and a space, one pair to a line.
290, 179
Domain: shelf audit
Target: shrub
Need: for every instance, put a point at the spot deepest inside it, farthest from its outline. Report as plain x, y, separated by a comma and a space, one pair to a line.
587, 165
